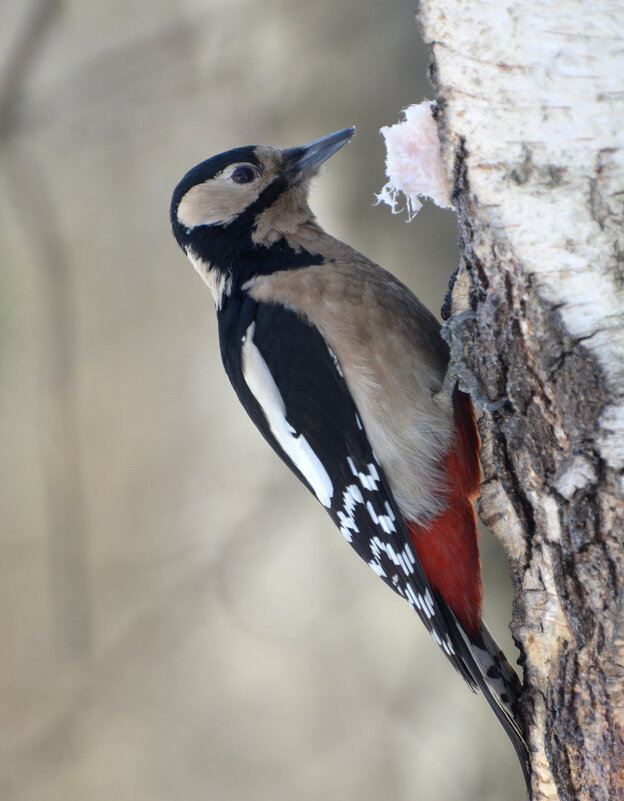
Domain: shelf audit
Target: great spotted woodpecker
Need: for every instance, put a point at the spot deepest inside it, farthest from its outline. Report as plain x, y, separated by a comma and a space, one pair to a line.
342, 370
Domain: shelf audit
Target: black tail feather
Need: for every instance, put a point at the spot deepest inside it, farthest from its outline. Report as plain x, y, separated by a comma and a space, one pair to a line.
492, 673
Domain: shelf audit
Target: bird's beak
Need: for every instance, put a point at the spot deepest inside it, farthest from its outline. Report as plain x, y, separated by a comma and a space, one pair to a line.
316, 153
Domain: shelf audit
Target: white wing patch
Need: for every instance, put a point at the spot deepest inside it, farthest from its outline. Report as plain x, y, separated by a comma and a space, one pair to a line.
350, 498
403, 559
368, 480
264, 389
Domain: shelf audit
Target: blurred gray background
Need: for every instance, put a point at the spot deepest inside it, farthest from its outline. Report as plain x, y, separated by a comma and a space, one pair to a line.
179, 620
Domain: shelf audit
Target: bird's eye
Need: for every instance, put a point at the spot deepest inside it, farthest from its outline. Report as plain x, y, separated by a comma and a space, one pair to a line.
243, 175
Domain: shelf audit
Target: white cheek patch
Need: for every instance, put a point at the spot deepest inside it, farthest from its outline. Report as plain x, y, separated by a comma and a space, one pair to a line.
217, 200
264, 389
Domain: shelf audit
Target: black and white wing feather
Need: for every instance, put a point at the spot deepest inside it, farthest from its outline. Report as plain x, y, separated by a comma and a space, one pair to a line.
292, 387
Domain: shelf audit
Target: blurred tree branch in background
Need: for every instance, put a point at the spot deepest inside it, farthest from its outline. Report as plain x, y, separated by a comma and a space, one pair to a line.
57, 427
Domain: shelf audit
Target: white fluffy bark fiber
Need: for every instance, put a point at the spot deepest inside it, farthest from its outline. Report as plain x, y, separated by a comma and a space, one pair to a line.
413, 163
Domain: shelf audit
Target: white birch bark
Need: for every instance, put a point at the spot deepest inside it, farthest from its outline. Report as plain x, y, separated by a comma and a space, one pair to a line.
530, 112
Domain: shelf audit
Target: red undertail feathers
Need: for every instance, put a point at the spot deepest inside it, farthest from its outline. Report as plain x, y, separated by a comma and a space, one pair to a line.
447, 545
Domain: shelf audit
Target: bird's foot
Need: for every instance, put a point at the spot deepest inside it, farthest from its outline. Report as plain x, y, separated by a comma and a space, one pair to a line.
454, 331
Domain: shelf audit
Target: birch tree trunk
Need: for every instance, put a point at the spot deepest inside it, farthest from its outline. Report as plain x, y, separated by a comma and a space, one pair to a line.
530, 102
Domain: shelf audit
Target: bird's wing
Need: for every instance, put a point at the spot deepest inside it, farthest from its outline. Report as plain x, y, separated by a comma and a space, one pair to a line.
291, 385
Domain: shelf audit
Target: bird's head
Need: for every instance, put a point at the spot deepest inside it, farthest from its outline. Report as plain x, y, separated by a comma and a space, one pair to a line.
244, 202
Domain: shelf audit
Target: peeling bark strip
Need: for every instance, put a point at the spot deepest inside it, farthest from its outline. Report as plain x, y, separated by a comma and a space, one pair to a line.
530, 117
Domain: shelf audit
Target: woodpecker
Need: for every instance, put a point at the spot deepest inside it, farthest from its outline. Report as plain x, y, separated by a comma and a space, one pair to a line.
342, 369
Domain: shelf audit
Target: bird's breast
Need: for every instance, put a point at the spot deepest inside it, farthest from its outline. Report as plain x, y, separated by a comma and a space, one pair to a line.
386, 345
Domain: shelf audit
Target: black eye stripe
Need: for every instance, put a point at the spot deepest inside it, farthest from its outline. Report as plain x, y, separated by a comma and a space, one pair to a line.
244, 174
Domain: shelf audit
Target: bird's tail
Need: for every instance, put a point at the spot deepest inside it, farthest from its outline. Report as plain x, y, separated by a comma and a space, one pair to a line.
491, 672
500, 685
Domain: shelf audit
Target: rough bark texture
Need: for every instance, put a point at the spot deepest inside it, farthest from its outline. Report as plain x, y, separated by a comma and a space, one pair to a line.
529, 110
